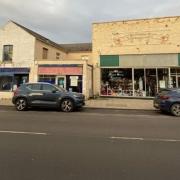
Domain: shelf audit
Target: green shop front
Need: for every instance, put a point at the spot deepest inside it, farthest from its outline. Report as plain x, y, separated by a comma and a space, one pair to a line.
138, 75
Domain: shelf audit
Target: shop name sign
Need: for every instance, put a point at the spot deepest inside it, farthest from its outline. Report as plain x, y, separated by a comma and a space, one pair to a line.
14, 70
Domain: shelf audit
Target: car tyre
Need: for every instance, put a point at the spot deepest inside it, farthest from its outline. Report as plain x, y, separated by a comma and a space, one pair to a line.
67, 105
175, 109
21, 104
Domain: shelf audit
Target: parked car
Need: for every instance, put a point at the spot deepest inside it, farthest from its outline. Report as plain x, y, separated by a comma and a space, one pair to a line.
46, 95
168, 100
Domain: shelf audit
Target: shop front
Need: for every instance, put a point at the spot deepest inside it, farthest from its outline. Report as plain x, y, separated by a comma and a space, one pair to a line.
138, 80
69, 77
11, 78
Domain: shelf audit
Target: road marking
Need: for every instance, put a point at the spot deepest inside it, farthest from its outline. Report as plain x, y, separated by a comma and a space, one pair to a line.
145, 139
21, 132
149, 116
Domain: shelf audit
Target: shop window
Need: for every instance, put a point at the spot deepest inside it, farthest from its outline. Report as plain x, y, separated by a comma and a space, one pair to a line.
45, 53
163, 78
151, 82
7, 52
175, 78
116, 82
6, 83
47, 78
139, 83
74, 83
20, 79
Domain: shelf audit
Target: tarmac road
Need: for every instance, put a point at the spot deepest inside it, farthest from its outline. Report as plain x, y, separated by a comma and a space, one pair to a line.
91, 144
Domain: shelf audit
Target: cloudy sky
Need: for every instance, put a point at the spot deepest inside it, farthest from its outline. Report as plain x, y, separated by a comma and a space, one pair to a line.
69, 21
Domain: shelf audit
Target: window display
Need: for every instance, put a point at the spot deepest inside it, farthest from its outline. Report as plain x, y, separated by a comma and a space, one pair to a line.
116, 82
151, 83
162, 78
6, 83
139, 83
175, 78
143, 82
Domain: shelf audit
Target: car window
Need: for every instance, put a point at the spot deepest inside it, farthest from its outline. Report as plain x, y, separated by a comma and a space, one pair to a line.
34, 87
47, 87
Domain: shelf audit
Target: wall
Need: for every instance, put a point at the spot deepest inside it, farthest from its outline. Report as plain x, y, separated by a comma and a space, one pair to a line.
146, 36
80, 56
51, 51
23, 45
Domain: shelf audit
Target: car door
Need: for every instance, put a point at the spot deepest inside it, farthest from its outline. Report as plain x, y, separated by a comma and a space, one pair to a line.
50, 95
35, 94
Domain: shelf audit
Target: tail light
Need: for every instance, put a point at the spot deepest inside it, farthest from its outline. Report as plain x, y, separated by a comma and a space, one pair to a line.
164, 97
16, 92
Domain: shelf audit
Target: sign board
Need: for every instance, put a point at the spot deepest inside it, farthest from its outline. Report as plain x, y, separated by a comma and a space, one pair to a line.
162, 84
74, 81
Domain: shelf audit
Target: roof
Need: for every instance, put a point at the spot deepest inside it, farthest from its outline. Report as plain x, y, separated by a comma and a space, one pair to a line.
141, 19
40, 37
78, 47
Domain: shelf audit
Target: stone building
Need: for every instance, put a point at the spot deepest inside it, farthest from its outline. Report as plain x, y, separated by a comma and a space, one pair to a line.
133, 58
136, 58
26, 56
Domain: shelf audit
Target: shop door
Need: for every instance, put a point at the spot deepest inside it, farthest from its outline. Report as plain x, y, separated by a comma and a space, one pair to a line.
174, 81
61, 81
178, 81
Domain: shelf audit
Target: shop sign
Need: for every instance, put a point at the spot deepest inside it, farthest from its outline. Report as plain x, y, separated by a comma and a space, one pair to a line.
60, 70
162, 84
14, 70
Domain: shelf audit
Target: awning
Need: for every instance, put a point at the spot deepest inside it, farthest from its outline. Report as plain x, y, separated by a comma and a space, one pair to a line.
60, 70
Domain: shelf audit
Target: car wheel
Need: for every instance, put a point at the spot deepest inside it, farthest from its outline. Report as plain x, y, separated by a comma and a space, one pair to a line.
67, 105
21, 104
175, 109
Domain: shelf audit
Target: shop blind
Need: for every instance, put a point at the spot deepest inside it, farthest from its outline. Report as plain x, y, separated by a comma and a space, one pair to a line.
109, 60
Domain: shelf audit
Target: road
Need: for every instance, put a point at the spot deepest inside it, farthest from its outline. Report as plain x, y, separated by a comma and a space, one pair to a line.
91, 144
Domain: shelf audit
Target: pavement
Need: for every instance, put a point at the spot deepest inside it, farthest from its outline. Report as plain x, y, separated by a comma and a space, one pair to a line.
111, 103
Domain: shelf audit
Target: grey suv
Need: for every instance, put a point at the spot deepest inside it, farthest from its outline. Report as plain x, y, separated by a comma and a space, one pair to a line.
46, 95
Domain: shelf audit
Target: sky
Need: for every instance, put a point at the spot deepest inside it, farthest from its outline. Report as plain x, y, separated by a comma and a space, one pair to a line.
70, 21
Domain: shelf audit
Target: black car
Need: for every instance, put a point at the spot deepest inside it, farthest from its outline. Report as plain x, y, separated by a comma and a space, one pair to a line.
46, 95
168, 100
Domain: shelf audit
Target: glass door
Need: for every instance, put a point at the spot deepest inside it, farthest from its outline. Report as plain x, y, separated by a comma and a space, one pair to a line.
61, 81
178, 81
